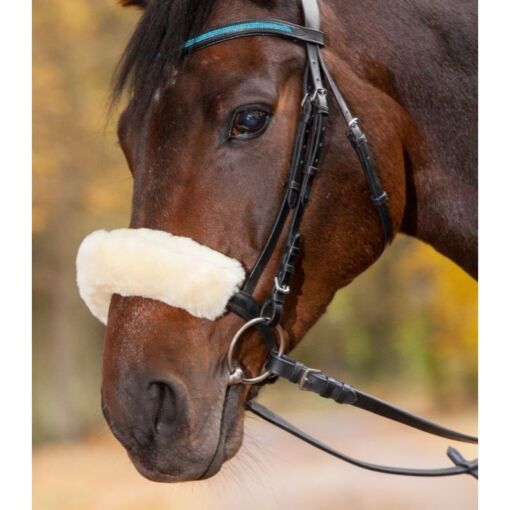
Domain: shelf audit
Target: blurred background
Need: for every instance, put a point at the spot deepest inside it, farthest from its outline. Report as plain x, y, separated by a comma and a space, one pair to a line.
406, 329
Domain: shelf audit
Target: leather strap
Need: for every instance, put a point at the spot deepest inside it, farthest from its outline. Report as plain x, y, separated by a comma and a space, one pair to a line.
462, 466
456, 457
254, 27
342, 393
243, 304
360, 145
273, 308
289, 200
311, 14
312, 21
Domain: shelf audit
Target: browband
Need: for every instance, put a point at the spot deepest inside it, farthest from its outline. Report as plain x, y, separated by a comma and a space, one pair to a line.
249, 28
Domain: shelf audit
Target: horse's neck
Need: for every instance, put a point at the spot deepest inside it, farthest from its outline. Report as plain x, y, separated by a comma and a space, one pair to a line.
424, 55
441, 209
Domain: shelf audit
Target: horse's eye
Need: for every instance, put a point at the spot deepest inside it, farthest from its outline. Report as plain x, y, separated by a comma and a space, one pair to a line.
249, 123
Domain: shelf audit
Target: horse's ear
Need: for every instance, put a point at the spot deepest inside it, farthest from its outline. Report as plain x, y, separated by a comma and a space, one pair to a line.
141, 4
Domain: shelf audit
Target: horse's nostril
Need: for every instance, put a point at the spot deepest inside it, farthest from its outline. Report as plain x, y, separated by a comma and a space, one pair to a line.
165, 409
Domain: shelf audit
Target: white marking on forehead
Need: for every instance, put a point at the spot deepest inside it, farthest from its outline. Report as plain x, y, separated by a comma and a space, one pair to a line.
173, 76
172, 80
210, 59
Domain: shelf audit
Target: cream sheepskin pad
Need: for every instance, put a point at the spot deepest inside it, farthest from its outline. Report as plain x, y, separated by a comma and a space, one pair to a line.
154, 264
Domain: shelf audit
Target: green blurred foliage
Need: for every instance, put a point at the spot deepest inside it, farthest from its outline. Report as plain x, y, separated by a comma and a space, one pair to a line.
410, 320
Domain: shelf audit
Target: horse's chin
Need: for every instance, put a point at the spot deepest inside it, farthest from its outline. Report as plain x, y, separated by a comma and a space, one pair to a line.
156, 475
226, 444
194, 473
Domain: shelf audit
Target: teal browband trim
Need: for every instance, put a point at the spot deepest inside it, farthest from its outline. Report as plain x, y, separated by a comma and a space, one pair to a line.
254, 27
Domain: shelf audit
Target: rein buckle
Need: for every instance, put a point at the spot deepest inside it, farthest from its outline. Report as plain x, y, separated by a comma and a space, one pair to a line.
304, 377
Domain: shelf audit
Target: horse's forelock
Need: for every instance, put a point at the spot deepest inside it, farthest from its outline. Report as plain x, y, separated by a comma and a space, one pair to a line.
156, 46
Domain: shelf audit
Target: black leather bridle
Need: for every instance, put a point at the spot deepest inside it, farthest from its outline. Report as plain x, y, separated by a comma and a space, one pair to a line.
304, 167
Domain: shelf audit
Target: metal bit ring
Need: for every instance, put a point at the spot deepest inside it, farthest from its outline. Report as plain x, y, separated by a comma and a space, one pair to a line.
236, 373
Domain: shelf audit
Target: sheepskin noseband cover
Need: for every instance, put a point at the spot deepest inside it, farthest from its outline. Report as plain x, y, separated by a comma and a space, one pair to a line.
153, 264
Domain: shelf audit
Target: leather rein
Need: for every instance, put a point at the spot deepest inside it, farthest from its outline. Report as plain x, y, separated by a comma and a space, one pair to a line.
304, 166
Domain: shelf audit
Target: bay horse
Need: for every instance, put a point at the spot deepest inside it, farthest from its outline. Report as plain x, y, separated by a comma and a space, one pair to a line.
409, 71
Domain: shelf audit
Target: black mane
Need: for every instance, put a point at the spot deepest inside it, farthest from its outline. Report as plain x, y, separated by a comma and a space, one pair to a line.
155, 47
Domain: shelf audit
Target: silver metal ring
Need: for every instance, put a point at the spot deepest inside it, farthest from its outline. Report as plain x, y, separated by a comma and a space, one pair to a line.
236, 373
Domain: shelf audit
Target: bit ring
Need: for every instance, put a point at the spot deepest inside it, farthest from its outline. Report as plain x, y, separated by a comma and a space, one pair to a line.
236, 374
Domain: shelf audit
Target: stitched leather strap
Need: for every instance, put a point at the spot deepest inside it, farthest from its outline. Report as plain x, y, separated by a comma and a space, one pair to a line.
342, 393
360, 145
254, 27
289, 200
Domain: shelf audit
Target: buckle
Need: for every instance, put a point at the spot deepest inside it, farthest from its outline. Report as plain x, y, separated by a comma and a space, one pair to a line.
380, 200
316, 92
306, 99
353, 123
304, 377
353, 130
319, 99
282, 289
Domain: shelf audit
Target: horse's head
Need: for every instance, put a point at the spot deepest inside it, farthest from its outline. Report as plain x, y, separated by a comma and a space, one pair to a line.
208, 142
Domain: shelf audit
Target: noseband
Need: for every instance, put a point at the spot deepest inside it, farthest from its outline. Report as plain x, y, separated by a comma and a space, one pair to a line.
304, 166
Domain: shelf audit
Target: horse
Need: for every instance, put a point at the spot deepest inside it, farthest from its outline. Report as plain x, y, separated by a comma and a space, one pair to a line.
208, 137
